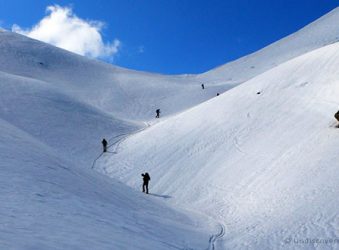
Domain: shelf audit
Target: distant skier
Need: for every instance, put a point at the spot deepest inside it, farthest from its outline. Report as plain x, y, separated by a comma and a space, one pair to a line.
336, 115
202, 86
146, 179
104, 145
218, 94
158, 113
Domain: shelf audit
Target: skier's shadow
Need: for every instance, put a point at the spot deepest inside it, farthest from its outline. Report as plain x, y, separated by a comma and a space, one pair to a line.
161, 196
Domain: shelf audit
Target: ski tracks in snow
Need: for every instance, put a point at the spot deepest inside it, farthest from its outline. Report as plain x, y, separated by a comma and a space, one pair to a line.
118, 139
216, 237
121, 138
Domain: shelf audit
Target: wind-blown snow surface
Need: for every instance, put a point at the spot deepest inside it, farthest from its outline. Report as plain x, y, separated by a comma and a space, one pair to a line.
48, 203
55, 107
104, 100
264, 165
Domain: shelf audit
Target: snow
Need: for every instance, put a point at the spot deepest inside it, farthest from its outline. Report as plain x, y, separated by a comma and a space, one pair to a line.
243, 170
51, 133
263, 165
320, 33
48, 203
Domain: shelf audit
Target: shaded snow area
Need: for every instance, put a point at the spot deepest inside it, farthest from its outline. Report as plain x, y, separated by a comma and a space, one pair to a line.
253, 168
49, 203
51, 127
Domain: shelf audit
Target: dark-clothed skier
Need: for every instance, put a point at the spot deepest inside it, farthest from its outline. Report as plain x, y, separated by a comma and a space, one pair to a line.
104, 145
146, 178
336, 115
202, 86
158, 113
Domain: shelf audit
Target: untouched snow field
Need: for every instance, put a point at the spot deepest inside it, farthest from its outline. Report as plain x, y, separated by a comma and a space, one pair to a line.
254, 168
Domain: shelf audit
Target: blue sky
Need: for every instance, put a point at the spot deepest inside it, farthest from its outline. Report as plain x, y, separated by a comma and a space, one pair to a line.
177, 36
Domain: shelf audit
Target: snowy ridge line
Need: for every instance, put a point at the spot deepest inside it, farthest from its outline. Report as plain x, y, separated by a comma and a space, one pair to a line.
215, 237
118, 142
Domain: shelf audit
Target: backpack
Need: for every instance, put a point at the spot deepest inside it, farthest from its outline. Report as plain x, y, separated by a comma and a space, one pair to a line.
147, 176
337, 115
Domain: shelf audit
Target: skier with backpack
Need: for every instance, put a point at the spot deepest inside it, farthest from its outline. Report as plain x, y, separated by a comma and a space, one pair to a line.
146, 178
336, 115
104, 145
158, 113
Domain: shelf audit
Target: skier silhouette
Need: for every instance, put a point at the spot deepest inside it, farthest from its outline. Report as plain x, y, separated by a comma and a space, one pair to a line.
202, 86
336, 115
104, 145
158, 113
146, 178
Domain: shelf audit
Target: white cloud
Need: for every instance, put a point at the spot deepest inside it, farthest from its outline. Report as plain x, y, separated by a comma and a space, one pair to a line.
62, 28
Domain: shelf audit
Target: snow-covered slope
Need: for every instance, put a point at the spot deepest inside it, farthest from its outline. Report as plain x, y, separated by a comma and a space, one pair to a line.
49, 203
321, 32
265, 165
94, 99
243, 159
123, 93
53, 116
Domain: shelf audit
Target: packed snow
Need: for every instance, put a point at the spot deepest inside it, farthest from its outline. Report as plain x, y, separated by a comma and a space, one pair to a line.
253, 168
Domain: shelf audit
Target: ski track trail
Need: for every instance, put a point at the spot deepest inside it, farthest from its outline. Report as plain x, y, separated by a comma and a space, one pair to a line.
114, 150
216, 237
118, 140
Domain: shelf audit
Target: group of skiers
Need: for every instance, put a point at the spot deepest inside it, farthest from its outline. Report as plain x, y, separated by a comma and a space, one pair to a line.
203, 87
146, 177
157, 111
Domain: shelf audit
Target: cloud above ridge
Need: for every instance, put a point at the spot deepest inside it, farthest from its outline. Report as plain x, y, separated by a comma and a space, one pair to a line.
62, 28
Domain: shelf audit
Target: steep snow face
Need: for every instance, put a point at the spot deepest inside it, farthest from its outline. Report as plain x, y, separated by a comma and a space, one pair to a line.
71, 103
55, 107
265, 164
56, 119
247, 160
50, 203
53, 115
123, 93
321, 32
